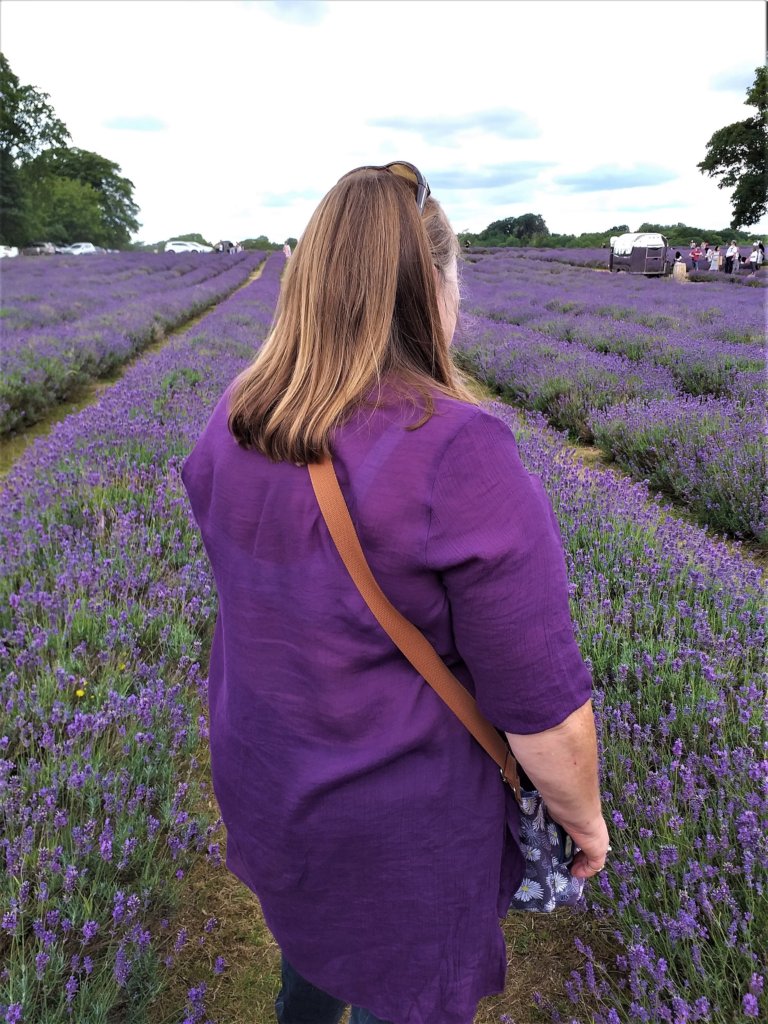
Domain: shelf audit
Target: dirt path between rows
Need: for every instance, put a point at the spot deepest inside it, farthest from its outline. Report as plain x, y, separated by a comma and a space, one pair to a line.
13, 447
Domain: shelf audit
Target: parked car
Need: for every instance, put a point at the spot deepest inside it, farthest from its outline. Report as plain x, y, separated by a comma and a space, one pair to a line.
81, 249
8, 251
39, 249
177, 246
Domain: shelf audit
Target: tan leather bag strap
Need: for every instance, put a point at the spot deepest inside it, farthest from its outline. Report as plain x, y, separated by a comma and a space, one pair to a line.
405, 636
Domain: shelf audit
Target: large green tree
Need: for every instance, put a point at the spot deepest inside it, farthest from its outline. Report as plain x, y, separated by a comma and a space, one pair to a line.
737, 155
529, 225
50, 190
114, 192
63, 210
28, 125
514, 230
500, 228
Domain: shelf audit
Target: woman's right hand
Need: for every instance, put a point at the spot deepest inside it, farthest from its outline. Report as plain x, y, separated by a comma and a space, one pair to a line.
594, 848
562, 764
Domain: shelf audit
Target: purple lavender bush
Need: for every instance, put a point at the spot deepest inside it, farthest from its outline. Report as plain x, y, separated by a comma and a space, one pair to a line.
710, 454
65, 324
587, 348
673, 625
564, 380
105, 613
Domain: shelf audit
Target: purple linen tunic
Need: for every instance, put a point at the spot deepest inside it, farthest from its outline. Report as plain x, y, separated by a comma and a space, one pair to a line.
374, 830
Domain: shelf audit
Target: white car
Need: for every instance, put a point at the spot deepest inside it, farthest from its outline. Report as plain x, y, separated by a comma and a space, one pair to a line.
81, 249
8, 251
177, 246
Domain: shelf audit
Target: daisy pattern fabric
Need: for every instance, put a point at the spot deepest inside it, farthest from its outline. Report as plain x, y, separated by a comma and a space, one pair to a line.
548, 851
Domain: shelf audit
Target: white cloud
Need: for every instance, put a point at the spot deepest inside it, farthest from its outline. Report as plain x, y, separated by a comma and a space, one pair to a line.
265, 106
135, 123
610, 177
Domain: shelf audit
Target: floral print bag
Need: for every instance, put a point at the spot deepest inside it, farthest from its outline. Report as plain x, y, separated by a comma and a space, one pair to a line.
548, 851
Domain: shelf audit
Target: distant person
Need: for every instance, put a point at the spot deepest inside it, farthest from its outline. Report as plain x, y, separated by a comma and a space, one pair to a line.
679, 269
731, 254
713, 256
755, 259
695, 255
287, 251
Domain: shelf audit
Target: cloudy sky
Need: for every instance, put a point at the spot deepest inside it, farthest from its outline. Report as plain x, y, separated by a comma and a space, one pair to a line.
233, 117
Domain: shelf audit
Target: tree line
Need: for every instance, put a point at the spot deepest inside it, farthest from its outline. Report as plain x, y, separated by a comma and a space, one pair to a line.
509, 233
51, 190
262, 243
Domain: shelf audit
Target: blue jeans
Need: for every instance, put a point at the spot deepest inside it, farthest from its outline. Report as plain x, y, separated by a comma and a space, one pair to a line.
299, 1002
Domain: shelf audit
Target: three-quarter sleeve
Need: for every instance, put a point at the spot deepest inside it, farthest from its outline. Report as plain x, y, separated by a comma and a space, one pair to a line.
494, 540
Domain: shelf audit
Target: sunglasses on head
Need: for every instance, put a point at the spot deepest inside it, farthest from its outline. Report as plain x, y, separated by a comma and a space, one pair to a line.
403, 170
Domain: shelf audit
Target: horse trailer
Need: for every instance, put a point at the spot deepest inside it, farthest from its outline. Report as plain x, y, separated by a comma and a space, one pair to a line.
643, 252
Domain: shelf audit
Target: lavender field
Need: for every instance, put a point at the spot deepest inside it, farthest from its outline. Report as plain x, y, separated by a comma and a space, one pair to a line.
106, 613
66, 321
667, 379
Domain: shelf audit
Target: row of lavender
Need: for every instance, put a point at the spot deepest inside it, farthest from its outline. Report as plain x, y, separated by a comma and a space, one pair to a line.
69, 321
102, 686
669, 384
667, 619
105, 607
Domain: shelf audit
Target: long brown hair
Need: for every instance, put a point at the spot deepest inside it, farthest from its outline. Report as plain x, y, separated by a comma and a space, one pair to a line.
359, 303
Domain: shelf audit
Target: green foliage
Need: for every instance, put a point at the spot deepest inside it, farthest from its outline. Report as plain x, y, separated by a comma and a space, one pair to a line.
677, 234
500, 228
262, 242
737, 155
28, 124
511, 231
193, 236
529, 226
683, 234
114, 193
62, 210
49, 189
12, 208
